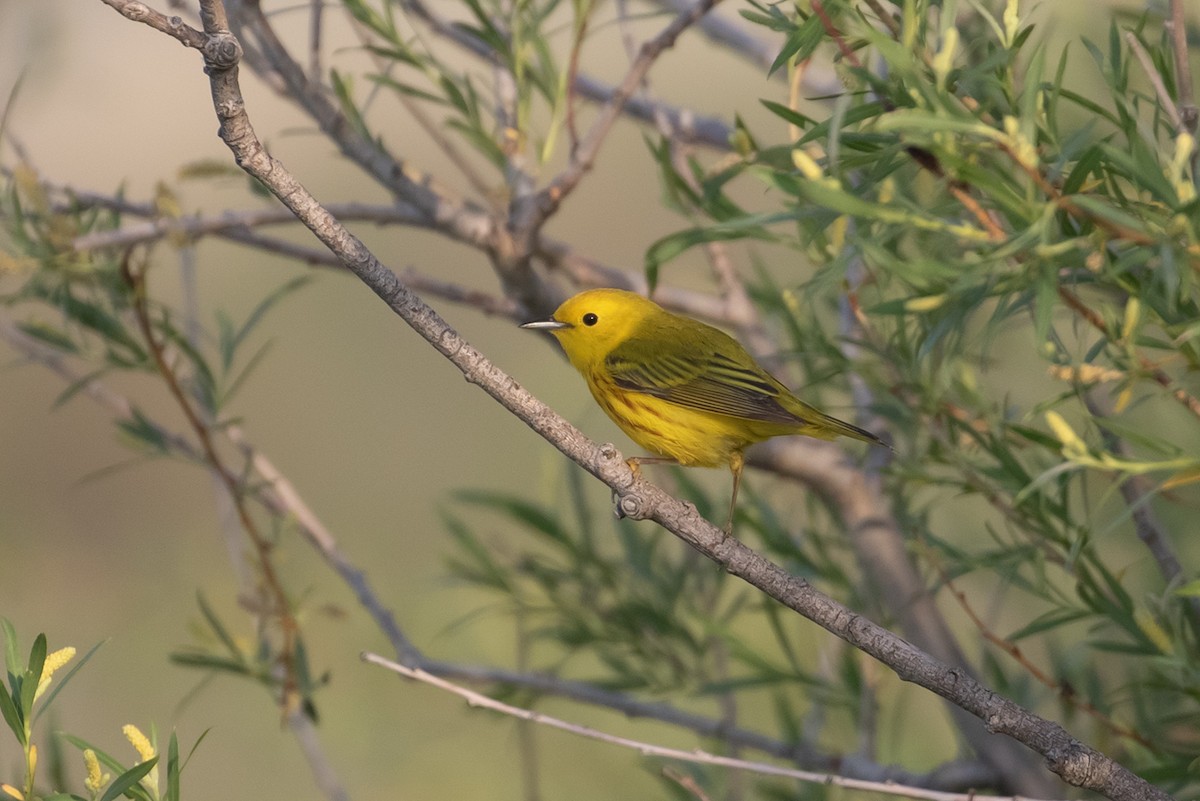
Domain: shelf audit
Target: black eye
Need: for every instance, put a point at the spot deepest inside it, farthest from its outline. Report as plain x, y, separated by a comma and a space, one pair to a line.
590, 319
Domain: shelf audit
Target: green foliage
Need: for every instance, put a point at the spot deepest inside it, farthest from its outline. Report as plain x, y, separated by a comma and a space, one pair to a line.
1008, 263
629, 610
25, 699
216, 650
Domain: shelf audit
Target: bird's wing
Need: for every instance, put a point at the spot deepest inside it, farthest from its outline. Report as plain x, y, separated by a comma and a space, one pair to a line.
700, 375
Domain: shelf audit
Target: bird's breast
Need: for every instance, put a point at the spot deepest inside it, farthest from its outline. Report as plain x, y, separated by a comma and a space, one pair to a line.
689, 436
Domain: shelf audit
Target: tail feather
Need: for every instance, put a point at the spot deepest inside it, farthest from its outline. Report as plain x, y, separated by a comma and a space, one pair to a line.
841, 428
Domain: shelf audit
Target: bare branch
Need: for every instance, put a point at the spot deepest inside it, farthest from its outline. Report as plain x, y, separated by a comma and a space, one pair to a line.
1177, 27
193, 226
544, 204
324, 774
1138, 492
1156, 81
174, 27
465, 222
694, 756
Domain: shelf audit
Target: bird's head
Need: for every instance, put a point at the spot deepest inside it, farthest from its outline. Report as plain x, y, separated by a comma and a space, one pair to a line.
591, 324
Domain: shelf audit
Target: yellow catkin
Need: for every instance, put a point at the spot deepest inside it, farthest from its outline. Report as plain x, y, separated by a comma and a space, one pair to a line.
1085, 373
96, 778
139, 741
53, 662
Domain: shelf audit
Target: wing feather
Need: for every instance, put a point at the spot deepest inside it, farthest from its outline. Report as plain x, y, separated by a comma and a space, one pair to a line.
700, 375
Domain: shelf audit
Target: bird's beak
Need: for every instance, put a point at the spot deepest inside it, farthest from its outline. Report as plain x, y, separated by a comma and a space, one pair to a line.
546, 325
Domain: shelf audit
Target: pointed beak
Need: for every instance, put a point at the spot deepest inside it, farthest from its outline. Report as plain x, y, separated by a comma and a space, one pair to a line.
546, 325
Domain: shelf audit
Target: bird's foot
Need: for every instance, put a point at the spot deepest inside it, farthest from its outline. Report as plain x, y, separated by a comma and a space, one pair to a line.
635, 466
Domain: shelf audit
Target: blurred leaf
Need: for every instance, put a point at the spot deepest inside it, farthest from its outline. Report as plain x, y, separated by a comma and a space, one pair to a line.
518, 509
800, 43
218, 628
232, 338
128, 783
48, 335
145, 432
61, 681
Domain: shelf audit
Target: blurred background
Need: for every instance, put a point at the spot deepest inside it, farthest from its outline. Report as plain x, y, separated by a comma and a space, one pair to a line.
375, 429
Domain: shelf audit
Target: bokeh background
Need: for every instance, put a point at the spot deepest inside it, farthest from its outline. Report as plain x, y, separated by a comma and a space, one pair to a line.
374, 428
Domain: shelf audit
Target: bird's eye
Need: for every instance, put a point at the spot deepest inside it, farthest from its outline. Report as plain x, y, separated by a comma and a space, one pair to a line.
590, 319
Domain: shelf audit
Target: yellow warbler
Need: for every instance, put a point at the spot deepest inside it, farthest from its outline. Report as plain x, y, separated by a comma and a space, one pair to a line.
678, 387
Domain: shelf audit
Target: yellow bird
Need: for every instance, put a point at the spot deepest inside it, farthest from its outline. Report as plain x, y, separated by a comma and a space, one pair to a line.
678, 387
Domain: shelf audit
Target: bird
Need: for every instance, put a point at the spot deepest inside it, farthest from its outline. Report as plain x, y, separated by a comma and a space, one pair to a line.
683, 390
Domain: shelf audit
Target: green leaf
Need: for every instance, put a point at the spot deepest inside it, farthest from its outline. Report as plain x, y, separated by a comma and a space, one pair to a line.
801, 42
12, 659
12, 715
218, 628
128, 783
33, 674
1189, 590
145, 432
1048, 621
173, 769
408, 89
54, 337
211, 662
520, 510
344, 92
479, 566
60, 682
791, 116
83, 382
673, 245
258, 313
1104, 209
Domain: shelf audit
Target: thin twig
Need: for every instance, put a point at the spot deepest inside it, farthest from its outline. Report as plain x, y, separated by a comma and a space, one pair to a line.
1163, 379
1189, 114
464, 222
697, 756
280, 607
197, 225
315, 18
1138, 492
1064, 692
1156, 81
836, 35
887, 18
549, 199
323, 771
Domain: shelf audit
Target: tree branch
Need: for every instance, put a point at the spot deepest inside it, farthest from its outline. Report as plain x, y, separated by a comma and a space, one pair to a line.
540, 207
694, 756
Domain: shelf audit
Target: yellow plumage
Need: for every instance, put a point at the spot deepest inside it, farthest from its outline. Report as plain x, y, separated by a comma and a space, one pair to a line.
678, 387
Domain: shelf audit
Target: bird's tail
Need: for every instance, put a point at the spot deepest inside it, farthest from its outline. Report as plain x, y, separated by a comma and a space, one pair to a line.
840, 428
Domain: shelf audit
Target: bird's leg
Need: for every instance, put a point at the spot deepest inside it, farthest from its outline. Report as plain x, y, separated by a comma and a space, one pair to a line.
635, 463
737, 460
